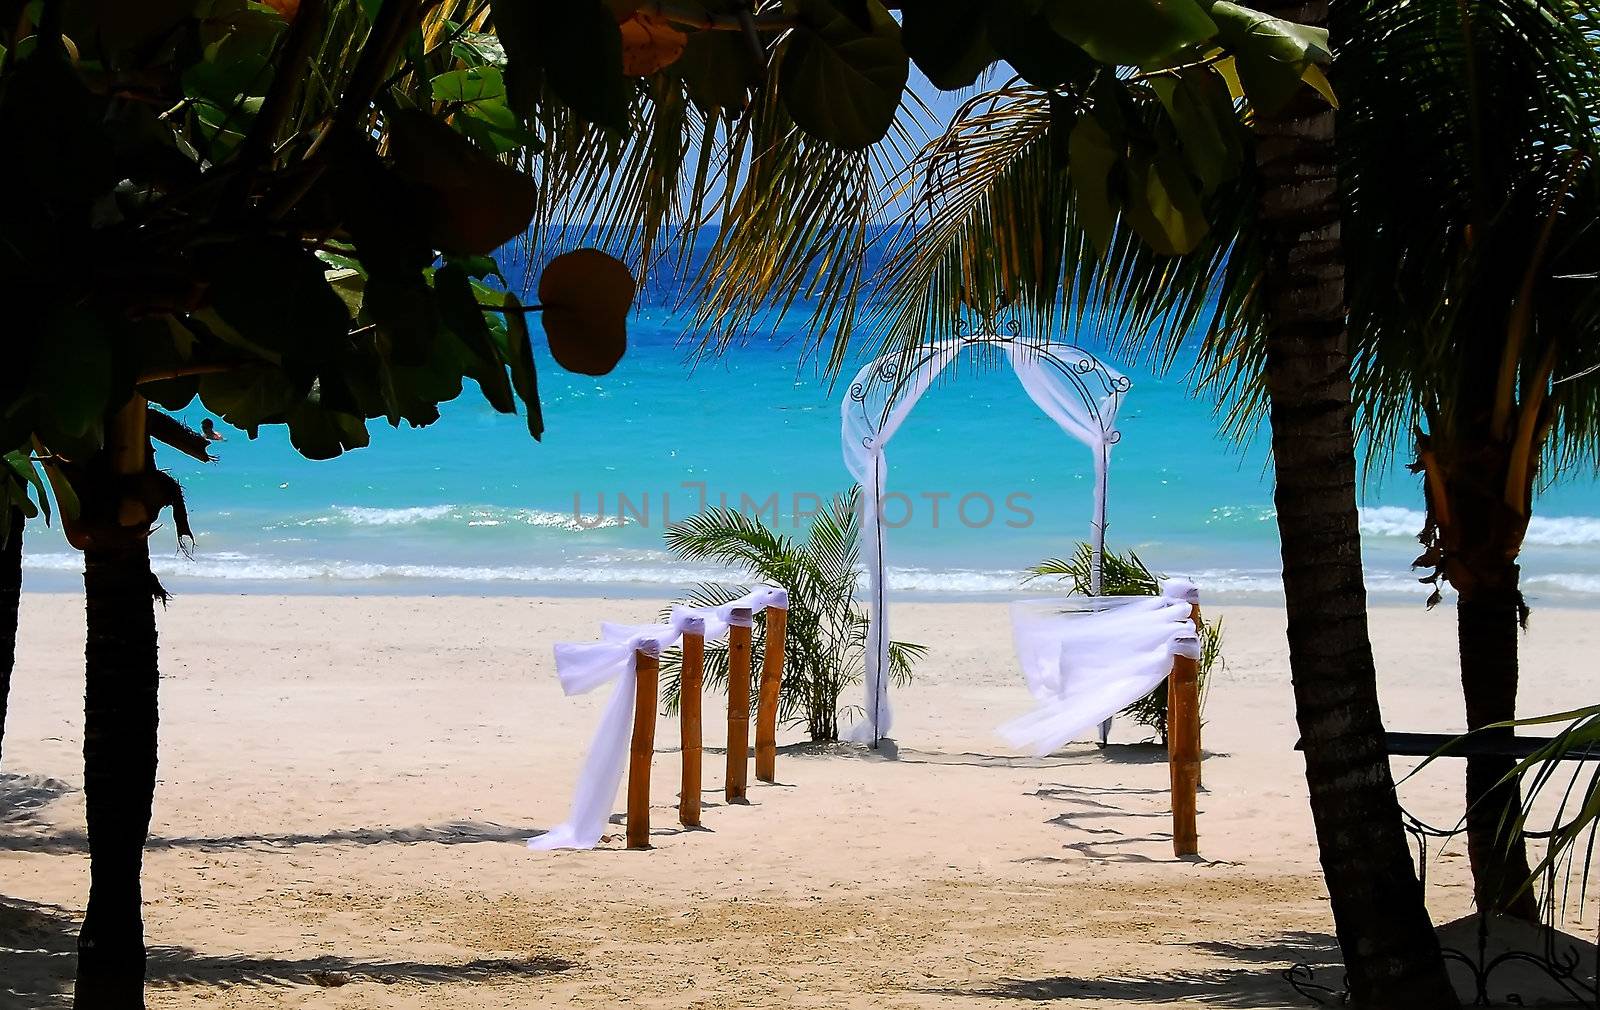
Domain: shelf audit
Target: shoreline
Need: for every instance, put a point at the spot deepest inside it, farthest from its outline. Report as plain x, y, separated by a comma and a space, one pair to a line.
61, 583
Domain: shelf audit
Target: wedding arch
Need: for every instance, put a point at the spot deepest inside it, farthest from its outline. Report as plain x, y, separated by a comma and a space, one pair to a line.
1073, 387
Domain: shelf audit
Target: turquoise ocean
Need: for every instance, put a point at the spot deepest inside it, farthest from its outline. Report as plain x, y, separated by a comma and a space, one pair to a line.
472, 505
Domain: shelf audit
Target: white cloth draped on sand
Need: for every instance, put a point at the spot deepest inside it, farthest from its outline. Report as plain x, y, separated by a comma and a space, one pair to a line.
584, 666
1086, 658
1074, 388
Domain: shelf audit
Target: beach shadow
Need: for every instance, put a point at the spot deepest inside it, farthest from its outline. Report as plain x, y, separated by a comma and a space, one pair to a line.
1257, 980
75, 840
38, 946
1223, 987
1107, 842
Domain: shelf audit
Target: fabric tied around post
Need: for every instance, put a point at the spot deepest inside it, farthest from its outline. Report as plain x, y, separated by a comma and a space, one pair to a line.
1085, 658
585, 666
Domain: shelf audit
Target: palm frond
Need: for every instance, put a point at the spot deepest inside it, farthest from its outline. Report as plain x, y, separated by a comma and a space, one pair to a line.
826, 635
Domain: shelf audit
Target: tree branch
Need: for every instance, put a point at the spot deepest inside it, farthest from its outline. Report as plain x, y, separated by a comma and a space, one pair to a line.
168, 430
292, 69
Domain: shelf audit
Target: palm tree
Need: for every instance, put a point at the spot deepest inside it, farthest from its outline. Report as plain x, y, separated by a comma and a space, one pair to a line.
1471, 302
825, 647
1388, 942
10, 600
1474, 334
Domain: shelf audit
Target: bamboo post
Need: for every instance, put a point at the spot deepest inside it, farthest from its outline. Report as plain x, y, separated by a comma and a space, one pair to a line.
689, 688
646, 663
1183, 747
738, 705
771, 683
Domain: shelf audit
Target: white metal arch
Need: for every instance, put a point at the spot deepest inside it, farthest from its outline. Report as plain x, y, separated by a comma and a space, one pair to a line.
1071, 385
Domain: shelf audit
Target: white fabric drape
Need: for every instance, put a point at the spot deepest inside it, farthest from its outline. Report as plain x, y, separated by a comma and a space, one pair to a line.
1072, 387
1086, 658
584, 666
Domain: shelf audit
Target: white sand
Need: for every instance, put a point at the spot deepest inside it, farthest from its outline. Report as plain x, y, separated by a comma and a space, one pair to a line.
345, 784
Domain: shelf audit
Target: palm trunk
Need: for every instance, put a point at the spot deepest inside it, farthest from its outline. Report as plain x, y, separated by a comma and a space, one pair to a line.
10, 601
1488, 621
1390, 951
119, 767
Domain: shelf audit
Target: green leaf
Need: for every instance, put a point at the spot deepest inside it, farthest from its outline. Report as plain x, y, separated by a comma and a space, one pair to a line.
1272, 54
318, 433
1092, 158
1131, 32
517, 349
406, 313
474, 203
1197, 104
479, 49
475, 84
1021, 35
947, 41
717, 68
275, 293
577, 47
840, 83
493, 125
28, 474
72, 374
1161, 204
250, 396
458, 307
173, 394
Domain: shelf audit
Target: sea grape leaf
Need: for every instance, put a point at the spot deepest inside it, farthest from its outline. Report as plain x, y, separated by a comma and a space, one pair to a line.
649, 43
1131, 32
1021, 35
577, 48
474, 203
250, 396
585, 296
1197, 105
839, 82
1161, 204
517, 349
458, 307
947, 40
1092, 156
273, 292
470, 84
1271, 55
319, 433
717, 68
72, 372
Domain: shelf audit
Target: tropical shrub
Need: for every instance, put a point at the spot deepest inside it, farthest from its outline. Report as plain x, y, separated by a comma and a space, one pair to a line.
1128, 575
825, 649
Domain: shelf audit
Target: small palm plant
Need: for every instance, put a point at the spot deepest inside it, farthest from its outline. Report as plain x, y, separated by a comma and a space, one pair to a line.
825, 648
1128, 575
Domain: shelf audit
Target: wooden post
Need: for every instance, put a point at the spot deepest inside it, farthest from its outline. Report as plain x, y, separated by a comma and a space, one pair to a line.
689, 688
644, 747
1183, 747
738, 706
771, 683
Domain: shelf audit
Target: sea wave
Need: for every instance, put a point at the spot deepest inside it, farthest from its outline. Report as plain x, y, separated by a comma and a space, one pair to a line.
646, 568
478, 516
1543, 531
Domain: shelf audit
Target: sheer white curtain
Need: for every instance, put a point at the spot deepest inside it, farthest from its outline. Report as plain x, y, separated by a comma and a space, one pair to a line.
1086, 658
1071, 386
585, 666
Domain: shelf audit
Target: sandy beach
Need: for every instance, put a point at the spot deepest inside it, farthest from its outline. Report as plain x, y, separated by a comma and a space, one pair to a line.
346, 783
